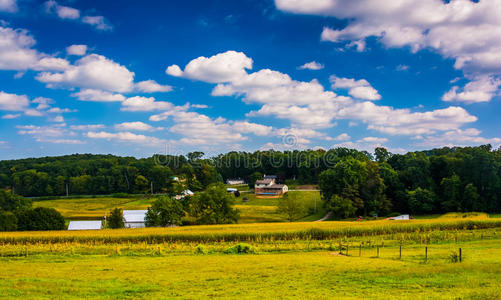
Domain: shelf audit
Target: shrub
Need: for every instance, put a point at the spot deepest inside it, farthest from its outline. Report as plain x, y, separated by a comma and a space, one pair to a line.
8, 221
240, 249
40, 218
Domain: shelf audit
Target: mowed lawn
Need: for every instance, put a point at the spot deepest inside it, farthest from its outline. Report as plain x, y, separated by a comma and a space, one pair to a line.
287, 275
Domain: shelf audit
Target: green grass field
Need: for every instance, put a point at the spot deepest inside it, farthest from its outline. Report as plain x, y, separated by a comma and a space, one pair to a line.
254, 211
273, 269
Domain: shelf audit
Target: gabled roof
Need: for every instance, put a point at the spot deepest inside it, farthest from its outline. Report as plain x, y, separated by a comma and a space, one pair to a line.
134, 216
85, 225
264, 181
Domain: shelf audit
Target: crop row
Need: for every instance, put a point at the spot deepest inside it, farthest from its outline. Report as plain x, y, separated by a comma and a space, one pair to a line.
250, 232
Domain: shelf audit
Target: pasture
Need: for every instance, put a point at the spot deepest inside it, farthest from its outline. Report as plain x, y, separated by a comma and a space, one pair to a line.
279, 260
255, 210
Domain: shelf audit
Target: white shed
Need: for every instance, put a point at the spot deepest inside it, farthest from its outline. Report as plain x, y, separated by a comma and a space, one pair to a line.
401, 217
134, 218
85, 225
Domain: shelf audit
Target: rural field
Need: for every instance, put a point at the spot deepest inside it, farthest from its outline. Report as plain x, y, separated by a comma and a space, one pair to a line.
255, 210
274, 260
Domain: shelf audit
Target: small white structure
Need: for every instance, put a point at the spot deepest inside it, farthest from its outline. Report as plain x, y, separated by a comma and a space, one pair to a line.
231, 190
85, 225
134, 218
184, 194
235, 181
401, 217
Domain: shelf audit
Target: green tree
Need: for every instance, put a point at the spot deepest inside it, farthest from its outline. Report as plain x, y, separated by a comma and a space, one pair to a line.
471, 199
213, 206
421, 201
165, 211
342, 207
451, 193
12, 202
40, 218
116, 219
291, 206
252, 179
141, 184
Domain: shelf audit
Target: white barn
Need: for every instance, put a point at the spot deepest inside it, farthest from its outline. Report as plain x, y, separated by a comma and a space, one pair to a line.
134, 218
85, 225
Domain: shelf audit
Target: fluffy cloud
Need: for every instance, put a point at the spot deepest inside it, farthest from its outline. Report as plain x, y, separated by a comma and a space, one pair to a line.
56, 134
51, 63
78, 50
98, 95
468, 137
16, 51
138, 103
13, 102
127, 137
11, 116
467, 31
481, 89
70, 13
92, 72
360, 89
312, 66
404, 122
308, 105
342, 137
223, 67
248, 127
8, 5
98, 22
151, 86
136, 126
87, 127
63, 12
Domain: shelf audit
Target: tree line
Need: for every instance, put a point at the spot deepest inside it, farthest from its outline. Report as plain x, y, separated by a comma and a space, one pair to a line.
352, 182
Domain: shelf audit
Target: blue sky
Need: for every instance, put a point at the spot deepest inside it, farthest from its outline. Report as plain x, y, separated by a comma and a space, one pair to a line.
138, 78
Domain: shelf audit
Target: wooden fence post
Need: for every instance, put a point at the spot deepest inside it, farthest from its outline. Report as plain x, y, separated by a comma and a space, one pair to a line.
359, 250
425, 254
400, 257
460, 255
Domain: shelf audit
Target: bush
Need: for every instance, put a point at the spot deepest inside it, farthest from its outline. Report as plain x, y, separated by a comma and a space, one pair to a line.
8, 221
40, 218
240, 249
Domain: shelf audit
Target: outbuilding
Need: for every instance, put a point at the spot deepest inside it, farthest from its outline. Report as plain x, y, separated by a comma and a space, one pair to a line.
85, 225
134, 218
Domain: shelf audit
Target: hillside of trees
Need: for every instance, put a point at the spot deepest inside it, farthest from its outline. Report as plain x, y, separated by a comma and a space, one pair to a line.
434, 181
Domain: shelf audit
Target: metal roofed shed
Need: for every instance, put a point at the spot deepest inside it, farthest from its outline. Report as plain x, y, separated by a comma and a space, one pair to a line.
134, 218
85, 225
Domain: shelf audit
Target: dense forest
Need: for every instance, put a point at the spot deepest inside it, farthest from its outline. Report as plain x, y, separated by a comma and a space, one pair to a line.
433, 181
